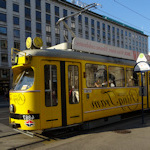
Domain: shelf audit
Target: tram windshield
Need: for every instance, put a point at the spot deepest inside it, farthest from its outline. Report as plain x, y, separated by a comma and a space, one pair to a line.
24, 80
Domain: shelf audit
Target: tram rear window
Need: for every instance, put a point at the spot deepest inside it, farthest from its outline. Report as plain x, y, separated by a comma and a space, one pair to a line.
24, 80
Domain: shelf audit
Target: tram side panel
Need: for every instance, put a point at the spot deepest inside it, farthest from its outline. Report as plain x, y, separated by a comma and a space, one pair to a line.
100, 103
108, 100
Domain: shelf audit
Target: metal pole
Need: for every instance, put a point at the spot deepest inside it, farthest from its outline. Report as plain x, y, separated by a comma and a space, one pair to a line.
142, 88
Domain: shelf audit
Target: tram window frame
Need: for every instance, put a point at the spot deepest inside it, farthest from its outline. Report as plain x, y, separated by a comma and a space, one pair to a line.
113, 76
94, 78
73, 84
131, 78
50, 80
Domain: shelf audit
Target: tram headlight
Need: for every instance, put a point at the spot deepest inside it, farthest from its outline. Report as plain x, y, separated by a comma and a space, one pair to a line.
11, 108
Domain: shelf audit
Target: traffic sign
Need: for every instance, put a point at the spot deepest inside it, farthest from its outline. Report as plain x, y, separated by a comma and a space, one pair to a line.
141, 64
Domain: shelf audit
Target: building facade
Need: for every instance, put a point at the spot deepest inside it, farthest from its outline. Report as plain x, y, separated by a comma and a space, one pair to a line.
22, 18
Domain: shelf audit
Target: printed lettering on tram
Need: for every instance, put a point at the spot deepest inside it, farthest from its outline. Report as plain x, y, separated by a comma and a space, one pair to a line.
110, 100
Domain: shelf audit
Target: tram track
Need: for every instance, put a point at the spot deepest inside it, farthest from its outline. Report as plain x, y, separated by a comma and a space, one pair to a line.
17, 141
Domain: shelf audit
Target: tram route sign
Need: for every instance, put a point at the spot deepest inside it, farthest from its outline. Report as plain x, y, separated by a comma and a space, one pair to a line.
141, 64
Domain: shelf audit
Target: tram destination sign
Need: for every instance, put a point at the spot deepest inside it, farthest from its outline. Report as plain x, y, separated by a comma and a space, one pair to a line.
104, 49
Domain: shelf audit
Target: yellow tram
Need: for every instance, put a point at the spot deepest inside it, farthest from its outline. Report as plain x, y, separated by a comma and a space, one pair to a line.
55, 88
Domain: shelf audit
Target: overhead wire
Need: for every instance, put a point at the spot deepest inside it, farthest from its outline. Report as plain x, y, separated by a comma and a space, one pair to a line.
124, 21
132, 10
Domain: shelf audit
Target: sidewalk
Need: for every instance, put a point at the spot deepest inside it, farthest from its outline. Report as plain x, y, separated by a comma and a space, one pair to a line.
4, 102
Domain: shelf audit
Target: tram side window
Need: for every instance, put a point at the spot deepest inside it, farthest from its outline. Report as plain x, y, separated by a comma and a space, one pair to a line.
96, 75
116, 76
50, 73
132, 78
73, 82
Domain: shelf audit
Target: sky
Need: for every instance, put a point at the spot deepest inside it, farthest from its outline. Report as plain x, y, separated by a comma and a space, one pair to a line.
135, 13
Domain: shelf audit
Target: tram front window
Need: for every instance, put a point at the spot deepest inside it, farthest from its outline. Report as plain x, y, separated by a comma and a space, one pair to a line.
24, 80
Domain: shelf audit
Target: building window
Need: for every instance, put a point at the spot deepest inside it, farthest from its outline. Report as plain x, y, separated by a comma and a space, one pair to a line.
16, 7
38, 16
17, 45
27, 2
113, 30
16, 33
86, 21
57, 40
103, 27
3, 4
47, 7
3, 30
48, 29
3, 17
48, 40
3, 44
48, 18
28, 25
80, 19
64, 12
57, 31
38, 27
28, 34
27, 12
39, 35
92, 31
104, 37
98, 36
16, 20
98, 25
108, 28
56, 19
38, 4
4, 73
92, 23
72, 18
56, 11
4, 57
129, 34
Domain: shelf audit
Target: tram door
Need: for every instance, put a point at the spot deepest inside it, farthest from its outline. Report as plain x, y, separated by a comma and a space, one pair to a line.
51, 98
73, 93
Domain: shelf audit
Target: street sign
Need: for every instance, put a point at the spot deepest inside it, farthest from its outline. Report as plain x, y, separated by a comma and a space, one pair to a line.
142, 67
141, 57
141, 64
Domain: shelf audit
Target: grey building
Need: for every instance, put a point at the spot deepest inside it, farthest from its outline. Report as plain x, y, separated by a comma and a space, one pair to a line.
22, 18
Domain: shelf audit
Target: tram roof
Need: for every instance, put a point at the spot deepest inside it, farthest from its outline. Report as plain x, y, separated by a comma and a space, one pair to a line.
78, 56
